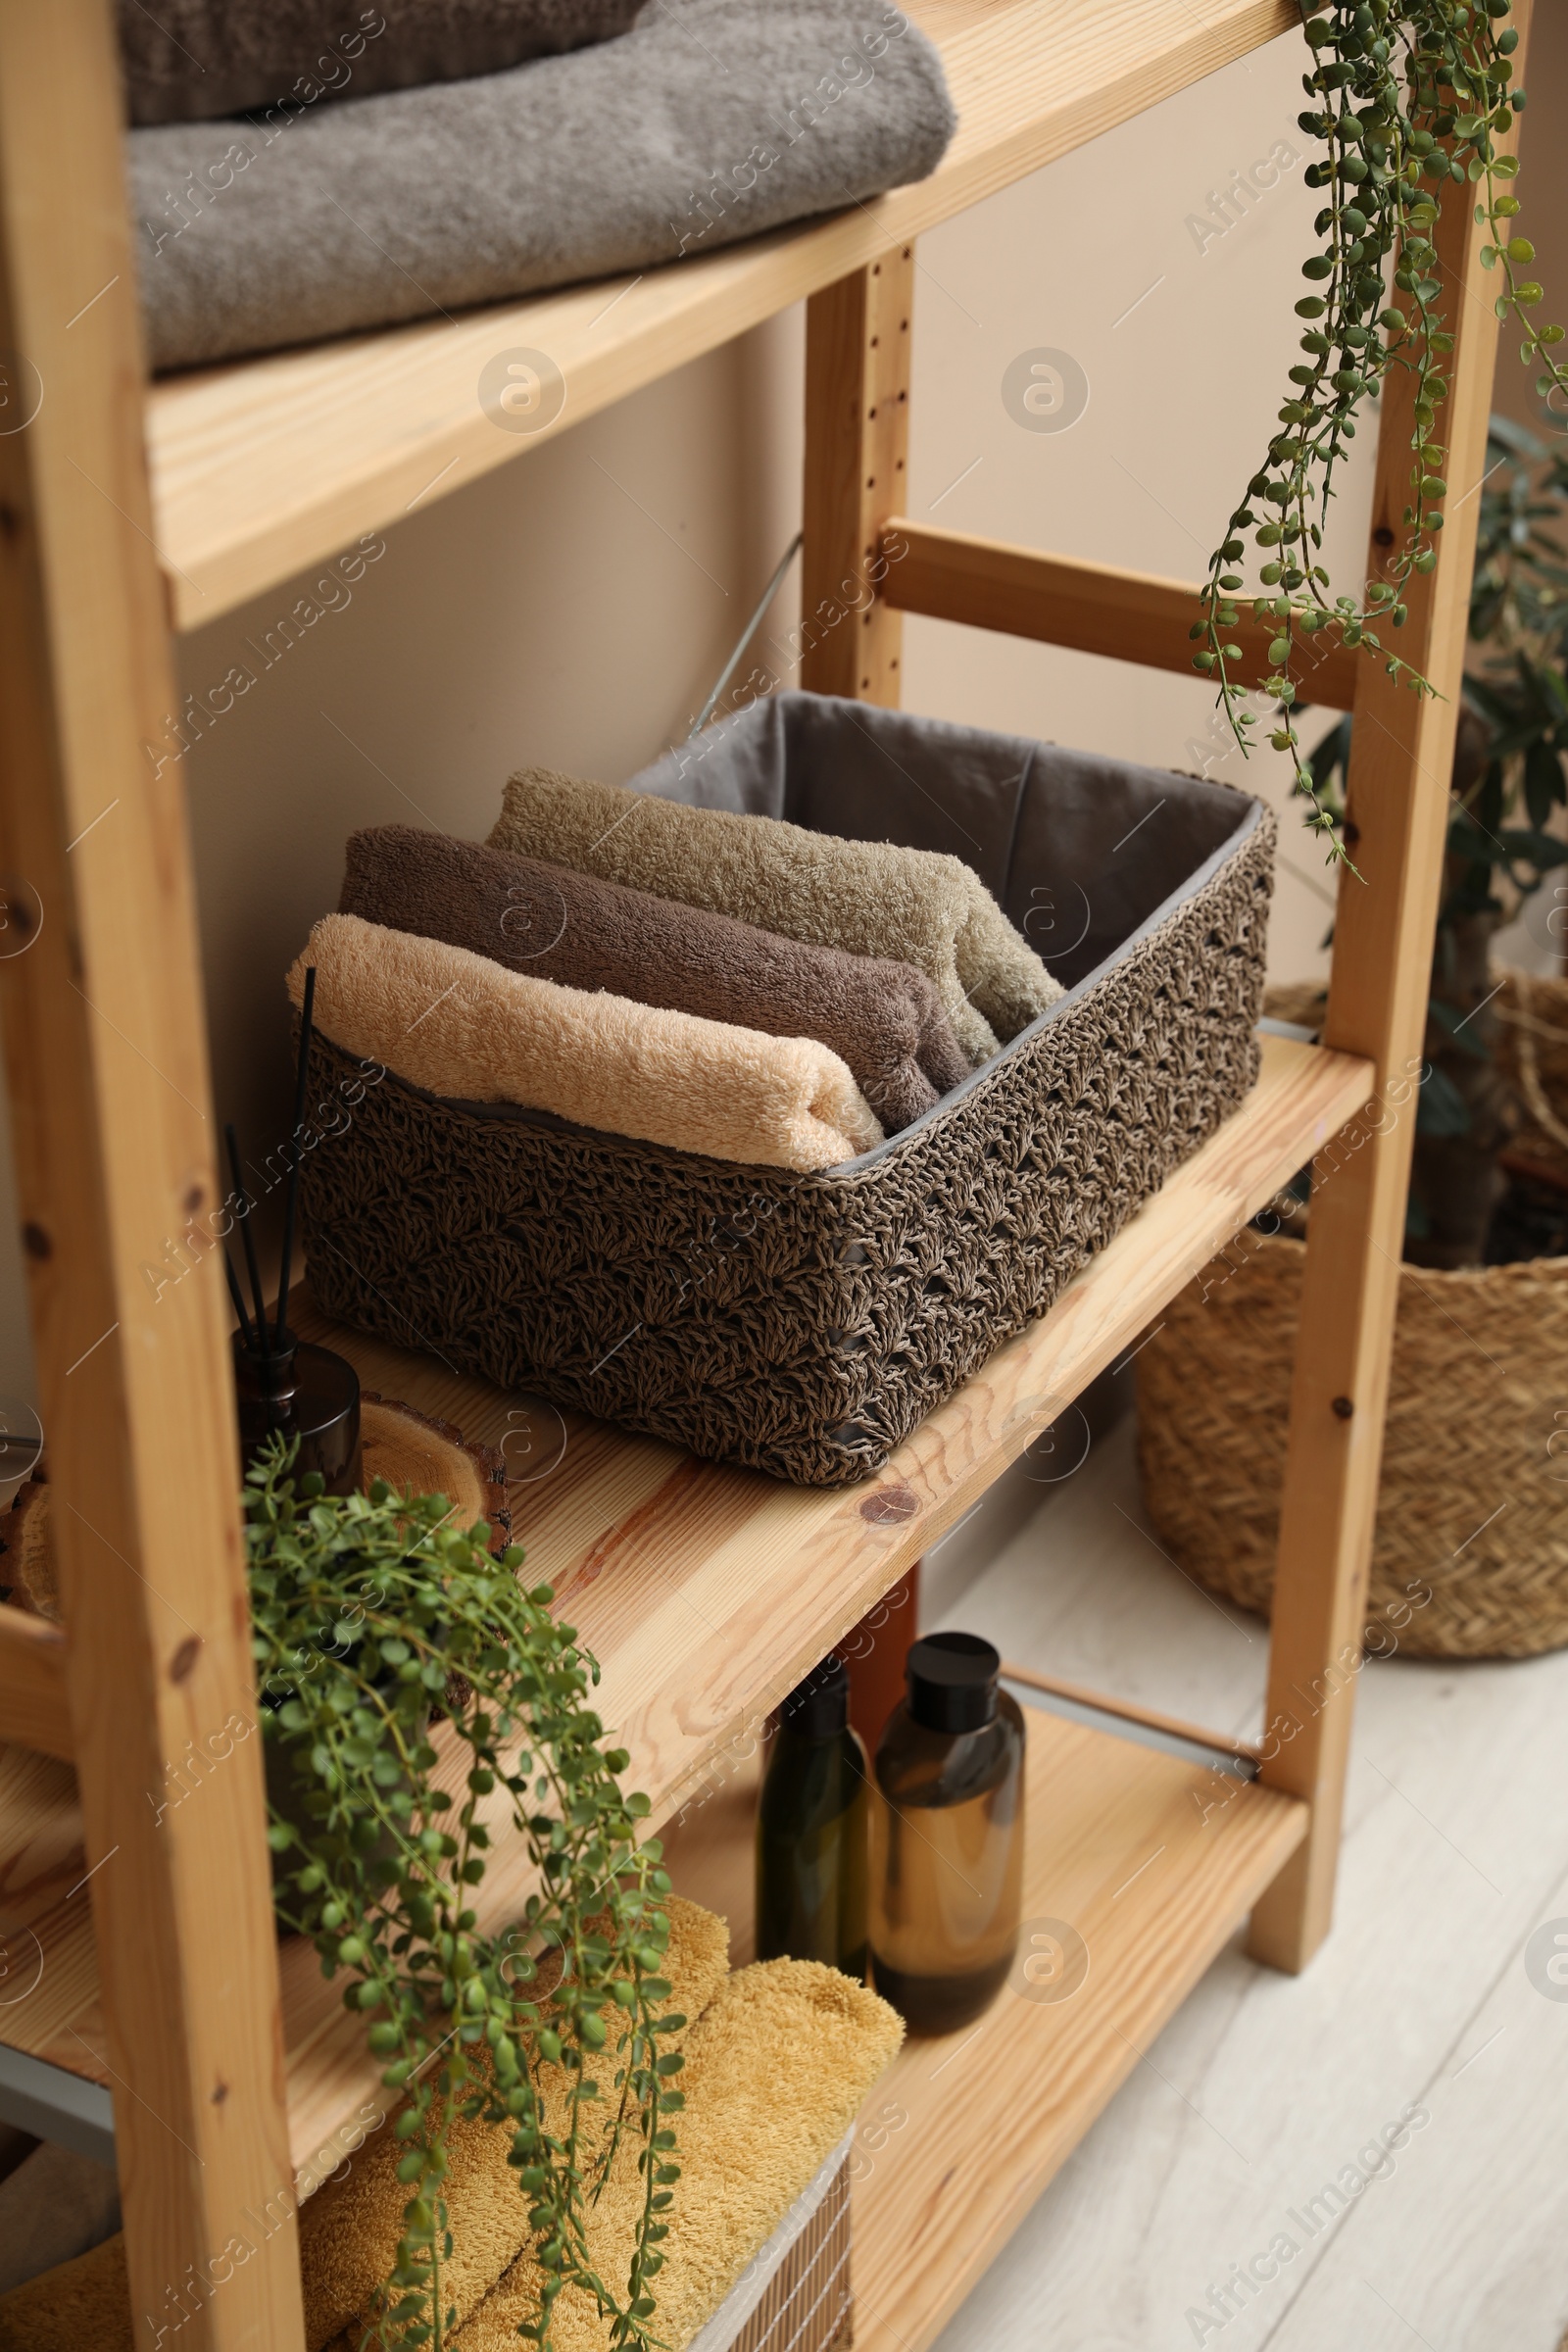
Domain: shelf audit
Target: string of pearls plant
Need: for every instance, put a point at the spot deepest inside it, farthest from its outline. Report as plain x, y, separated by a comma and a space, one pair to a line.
368, 1612
1407, 96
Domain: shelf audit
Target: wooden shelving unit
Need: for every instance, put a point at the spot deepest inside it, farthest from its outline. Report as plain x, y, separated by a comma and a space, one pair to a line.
260, 468
705, 1591
1153, 1862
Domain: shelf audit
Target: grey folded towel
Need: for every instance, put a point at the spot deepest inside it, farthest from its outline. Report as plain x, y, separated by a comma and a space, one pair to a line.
192, 58
707, 121
885, 1019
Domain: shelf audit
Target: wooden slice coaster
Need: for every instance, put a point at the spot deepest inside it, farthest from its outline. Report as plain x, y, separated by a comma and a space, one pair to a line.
413, 1454
27, 1556
418, 1455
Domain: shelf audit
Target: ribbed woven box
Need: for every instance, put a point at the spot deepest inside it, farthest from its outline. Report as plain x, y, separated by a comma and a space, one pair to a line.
806, 1324
795, 2296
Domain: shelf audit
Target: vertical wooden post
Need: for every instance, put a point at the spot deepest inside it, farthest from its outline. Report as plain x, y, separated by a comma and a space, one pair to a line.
106, 1056
1397, 801
856, 446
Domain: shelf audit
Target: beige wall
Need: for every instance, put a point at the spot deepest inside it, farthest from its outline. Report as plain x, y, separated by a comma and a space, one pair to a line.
575, 607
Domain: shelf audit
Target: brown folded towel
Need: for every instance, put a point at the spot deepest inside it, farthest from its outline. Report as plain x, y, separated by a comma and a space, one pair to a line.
465, 1027
869, 897
885, 1019
188, 59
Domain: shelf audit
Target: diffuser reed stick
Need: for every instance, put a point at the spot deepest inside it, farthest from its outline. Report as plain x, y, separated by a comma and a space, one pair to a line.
255, 1271
291, 1200
247, 1336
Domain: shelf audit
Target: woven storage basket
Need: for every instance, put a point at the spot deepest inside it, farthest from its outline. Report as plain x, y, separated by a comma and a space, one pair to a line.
1473, 1507
797, 2296
806, 1324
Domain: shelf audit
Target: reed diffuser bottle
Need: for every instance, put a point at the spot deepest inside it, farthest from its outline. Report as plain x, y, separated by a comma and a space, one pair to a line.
284, 1385
811, 1830
946, 1836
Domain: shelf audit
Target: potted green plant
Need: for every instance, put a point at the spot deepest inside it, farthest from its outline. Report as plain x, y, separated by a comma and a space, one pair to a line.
1481, 1085
371, 1614
1470, 1556
1471, 1550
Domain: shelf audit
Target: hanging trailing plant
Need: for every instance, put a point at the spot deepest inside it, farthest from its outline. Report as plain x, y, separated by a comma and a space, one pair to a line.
1407, 96
1467, 1197
368, 1612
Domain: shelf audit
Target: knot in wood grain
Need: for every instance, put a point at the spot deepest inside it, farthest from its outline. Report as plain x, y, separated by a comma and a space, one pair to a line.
889, 1506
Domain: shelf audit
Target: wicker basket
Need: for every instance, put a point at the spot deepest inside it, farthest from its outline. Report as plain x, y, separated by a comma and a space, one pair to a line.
1473, 1508
804, 1325
797, 2296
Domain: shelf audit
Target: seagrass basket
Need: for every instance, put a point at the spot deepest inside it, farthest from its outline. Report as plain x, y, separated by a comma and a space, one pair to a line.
797, 2296
1470, 1555
804, 1325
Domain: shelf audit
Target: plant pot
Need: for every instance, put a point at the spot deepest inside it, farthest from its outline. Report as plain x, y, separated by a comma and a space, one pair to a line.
1473, 1507
289, 1782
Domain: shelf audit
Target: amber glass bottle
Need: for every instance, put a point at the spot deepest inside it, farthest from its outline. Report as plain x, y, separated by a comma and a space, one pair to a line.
811, 1830
946, 1836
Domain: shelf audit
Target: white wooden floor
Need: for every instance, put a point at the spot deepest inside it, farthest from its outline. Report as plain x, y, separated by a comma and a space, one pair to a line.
1265, 2088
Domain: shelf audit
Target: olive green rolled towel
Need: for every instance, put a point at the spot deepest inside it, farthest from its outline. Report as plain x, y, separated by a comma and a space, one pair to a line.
884, 1019
348, 2229
872, 897
464, 1027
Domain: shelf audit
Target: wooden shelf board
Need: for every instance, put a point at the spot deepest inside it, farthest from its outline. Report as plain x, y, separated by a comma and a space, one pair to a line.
704, 1592
962, 2133
264, 466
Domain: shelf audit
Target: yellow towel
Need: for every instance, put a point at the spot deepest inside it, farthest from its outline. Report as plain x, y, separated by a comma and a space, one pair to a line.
777, 2070
461, 1025
84, 2306
779, 2058
870, 897
348, 2229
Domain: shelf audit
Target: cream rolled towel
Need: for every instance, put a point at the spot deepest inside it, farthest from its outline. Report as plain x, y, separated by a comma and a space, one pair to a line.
871, 898
463, 1026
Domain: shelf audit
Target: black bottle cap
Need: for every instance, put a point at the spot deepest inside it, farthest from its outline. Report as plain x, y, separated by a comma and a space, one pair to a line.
819, 1707
953, 1682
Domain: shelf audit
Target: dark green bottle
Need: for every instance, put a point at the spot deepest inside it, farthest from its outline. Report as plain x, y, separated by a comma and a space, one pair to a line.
811, 1830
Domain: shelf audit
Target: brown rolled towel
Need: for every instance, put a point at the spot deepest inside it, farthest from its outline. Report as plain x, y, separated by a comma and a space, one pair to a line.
465, 1027
872, 897
186, 61
885, 1019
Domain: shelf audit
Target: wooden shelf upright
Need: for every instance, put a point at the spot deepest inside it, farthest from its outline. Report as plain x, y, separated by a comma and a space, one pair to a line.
127, 511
